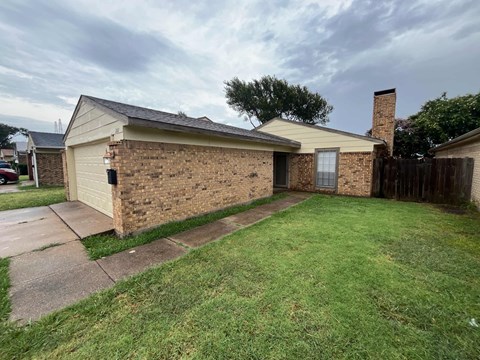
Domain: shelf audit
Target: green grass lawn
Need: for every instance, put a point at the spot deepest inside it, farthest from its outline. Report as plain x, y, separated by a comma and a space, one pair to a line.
31, 196
104, 245
333, 277
4, 285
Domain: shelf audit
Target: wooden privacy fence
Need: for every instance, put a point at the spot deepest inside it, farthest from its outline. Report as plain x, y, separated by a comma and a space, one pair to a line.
443, 180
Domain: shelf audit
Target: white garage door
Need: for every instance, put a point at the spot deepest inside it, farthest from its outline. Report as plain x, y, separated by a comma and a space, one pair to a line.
92, 186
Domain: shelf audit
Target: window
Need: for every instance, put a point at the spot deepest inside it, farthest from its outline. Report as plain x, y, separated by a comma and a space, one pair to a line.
327, 168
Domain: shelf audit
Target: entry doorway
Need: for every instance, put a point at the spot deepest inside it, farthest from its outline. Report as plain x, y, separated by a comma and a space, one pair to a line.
280, 170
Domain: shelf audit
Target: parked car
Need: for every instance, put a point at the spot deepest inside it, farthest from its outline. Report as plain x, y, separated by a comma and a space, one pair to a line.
7, 175
5, 165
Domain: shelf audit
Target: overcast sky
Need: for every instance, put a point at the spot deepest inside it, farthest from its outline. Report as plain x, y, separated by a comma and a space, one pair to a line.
175, 55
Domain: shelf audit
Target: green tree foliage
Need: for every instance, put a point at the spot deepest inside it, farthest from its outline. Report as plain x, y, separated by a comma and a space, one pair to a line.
442, 119
7, 132
439, 120
270, 97
410, 141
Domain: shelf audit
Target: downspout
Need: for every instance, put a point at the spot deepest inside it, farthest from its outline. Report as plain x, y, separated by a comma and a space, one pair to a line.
35, 166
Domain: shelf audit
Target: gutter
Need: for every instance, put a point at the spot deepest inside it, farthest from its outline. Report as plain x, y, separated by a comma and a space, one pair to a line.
458, 140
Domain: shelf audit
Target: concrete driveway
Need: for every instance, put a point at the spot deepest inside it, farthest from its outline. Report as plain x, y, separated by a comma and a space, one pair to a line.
25, 230
48, 280
13, 187
9, 188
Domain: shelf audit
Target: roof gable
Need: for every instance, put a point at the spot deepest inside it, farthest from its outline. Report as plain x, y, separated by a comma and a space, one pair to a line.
315, 137
323, 128
145, 117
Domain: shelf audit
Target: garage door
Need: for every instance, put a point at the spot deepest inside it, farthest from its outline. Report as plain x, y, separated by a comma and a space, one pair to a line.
92, 186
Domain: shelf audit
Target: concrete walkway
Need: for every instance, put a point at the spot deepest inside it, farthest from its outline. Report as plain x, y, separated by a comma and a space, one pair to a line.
49, 280
29, 229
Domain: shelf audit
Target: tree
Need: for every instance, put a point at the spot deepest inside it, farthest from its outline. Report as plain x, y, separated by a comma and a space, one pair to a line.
7, 132
443, 119
270, 97
410, 141
182, 114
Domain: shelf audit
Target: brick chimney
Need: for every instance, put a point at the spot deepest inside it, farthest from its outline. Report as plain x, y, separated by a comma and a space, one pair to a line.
383, 126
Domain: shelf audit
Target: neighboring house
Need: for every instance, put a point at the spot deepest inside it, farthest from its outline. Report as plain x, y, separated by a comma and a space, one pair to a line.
204, 118
7, 154
21, 152
45, 158
165, 167
466, 145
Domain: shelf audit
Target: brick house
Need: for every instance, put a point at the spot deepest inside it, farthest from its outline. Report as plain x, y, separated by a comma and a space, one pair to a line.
334, 161
466, 145
165, 167
7, 154
44, 159
21, 152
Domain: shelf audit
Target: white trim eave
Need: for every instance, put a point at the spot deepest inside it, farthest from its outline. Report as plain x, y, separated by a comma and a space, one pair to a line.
35, 166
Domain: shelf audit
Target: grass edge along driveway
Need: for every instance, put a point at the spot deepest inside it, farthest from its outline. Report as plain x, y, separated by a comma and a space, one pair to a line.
332, 277
31, 197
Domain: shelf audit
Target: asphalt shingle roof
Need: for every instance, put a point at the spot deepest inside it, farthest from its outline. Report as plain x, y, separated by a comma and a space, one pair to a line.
21, 146
466, 136
188, 123
46, 140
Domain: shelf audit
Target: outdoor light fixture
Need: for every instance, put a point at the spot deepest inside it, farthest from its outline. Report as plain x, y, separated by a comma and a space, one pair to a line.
109, 155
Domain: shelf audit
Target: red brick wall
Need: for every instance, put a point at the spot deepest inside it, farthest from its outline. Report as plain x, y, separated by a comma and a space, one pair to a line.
30, 167
49, 168
22, 158
160, 183
302, 172
383, 126
354, 173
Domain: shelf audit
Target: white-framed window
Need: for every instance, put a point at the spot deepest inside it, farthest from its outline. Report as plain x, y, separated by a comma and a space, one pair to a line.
326, 168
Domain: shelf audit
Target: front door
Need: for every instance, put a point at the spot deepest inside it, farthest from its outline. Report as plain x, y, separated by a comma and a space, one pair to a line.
280, 170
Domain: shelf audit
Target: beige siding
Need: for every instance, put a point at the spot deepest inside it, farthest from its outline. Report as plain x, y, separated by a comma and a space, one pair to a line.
316, 138
91, 177
469, 149
172, 137
92, 124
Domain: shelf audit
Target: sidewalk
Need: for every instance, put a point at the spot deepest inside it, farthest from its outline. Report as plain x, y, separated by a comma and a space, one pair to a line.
49, 280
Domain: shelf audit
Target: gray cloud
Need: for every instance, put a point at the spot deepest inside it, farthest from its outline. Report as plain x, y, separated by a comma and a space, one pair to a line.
367, 30
28, 123
101, 41
52, 50
368, 25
